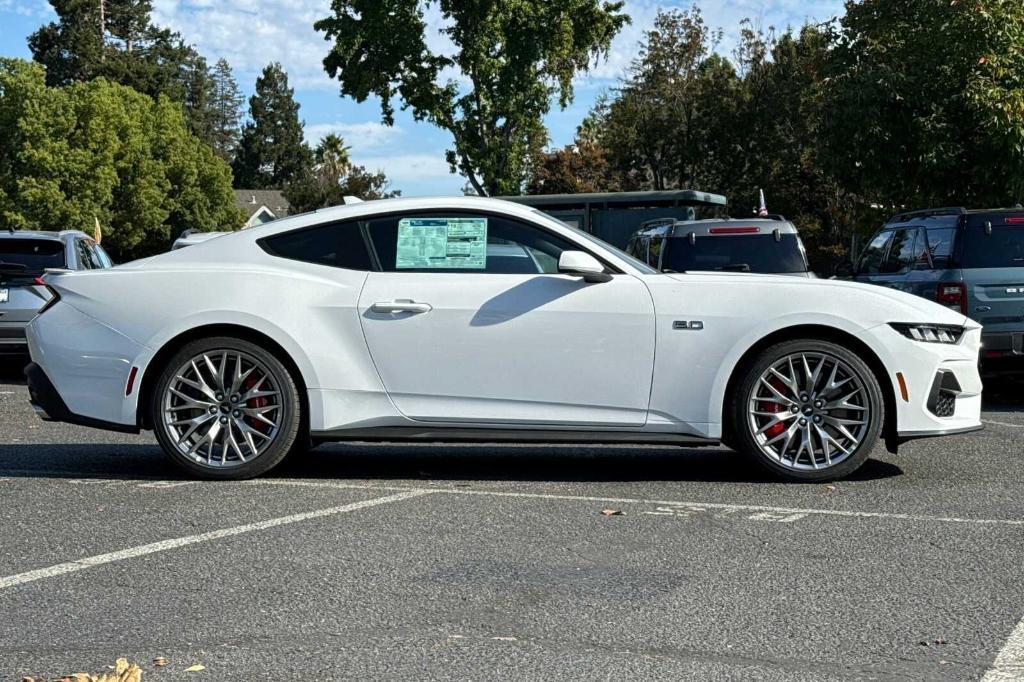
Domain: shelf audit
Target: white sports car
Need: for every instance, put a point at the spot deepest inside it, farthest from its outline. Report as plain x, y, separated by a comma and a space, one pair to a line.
476, 319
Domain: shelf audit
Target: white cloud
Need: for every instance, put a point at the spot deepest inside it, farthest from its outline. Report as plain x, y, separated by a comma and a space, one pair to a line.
365, 136
405, 168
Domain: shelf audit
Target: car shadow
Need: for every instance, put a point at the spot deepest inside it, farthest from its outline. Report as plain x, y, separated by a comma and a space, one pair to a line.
393, 462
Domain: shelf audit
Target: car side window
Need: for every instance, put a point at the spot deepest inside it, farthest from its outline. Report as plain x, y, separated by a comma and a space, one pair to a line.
461, 242
902, 253
339, 245
102, 256
654, 252
940, 245
871, 259
85, 260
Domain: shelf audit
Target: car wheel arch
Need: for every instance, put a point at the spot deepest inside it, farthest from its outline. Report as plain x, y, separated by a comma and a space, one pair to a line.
814, 332
160, 359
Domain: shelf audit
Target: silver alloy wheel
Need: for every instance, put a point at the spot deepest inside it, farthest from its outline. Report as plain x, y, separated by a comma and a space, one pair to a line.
222, 408
809, 411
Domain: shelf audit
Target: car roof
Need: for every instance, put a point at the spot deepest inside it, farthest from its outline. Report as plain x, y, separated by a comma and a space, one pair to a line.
43, 234
943, 216
703, 228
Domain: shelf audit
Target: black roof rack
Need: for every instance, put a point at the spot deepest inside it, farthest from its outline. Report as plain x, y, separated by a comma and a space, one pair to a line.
927, 213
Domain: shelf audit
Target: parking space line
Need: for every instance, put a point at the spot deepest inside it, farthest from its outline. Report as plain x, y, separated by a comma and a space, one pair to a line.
1009, 663
165, 545
1012, 426
724, 506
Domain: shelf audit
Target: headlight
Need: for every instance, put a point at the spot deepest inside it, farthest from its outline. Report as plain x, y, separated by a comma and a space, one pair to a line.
929, 333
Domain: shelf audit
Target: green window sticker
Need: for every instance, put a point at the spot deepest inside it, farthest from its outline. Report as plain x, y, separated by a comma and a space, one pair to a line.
441, 244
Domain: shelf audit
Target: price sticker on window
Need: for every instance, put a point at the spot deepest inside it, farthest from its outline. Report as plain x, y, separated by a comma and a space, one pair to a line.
441, 244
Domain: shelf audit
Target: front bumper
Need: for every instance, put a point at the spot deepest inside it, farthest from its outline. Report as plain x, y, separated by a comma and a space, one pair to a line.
943, 384
49, 406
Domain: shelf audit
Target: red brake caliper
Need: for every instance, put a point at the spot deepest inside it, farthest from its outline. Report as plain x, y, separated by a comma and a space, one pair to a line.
774, 407
255, 403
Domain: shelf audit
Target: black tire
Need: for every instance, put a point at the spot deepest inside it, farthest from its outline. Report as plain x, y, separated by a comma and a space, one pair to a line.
290, 417
742, 433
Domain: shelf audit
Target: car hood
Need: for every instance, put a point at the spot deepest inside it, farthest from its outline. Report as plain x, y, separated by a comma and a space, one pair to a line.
874, 304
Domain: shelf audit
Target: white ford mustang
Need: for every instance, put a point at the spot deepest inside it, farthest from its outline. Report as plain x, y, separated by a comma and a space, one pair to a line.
477, 319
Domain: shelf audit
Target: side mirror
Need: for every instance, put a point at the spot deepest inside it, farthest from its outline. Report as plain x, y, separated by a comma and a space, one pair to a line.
583, 264
844, 269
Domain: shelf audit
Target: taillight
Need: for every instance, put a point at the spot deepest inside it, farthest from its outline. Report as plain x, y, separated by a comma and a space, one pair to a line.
1014, 221
952, 295
54, 296
734, 230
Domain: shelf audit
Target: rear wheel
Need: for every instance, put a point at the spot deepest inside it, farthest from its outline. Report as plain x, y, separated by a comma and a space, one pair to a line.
807, 411
225, 408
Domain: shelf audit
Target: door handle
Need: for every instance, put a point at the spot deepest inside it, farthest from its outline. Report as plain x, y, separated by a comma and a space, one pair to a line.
401, 306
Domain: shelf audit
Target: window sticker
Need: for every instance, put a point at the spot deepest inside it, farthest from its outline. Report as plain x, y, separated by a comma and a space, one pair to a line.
441, 243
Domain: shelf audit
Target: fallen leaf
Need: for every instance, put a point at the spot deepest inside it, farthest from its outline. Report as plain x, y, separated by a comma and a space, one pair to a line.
505, 639
120, 665
160, 661
831, 488
195, 668
608, 511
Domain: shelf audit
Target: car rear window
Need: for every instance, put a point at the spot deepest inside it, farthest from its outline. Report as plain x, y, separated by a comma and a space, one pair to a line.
758, 253
35, 254
1003, 248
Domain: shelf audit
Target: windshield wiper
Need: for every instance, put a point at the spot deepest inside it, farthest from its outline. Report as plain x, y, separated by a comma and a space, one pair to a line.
735, 267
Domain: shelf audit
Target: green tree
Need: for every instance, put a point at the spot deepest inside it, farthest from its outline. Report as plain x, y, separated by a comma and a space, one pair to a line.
100, 151
116, 40
925, 101
651, 128
516, 56
271, 151
225, 110
333, 177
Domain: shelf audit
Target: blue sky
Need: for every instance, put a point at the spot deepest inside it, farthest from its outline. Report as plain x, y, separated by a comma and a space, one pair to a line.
250, 33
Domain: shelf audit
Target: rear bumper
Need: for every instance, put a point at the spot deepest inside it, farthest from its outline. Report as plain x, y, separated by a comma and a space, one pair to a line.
49, 406
12, 338
1002, 353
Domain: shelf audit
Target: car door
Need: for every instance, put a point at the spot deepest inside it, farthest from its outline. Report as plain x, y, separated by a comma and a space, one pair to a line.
900, 259
457, 339
870, 264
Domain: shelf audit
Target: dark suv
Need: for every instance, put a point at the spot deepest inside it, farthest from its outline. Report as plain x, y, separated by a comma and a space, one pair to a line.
969, 260
24, 256
764, 245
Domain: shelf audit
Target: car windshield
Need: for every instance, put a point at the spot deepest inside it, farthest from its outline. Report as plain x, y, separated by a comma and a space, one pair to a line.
1004, 248
639, 265
34, 254
741, 253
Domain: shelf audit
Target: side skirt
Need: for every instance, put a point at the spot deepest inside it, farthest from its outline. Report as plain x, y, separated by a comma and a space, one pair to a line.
488, 435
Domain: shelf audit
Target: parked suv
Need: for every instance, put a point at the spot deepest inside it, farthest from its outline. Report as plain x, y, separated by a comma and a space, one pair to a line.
969, 260
24, 256
764, 245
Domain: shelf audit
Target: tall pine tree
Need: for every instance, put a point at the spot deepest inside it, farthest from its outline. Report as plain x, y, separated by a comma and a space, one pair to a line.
225, 109
272, 151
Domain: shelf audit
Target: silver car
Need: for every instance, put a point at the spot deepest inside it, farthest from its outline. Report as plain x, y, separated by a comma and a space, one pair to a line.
24, 256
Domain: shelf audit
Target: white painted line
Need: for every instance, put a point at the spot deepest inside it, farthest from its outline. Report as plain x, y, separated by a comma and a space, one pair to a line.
1009, 663
629, 500
164, 545
1012, 426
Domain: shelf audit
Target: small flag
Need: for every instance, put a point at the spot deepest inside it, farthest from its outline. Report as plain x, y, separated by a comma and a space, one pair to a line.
762, 209
97, 233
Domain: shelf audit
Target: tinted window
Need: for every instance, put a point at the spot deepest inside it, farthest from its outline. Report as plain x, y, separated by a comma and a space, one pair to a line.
746, 253
35, 254
901, 255
871, 259
1004, 248
654, 252
104, 259
339, 245
940, 245
511, 247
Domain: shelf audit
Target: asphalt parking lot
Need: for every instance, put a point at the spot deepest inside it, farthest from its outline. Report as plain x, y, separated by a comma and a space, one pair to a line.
496, 562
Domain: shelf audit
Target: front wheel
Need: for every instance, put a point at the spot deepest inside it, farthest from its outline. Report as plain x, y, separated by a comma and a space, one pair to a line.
225, 408
807, 411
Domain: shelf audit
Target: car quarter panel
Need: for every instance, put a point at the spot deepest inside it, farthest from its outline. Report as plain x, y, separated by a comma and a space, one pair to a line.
309, 310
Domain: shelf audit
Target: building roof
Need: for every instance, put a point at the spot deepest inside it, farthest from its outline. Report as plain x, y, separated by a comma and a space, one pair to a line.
251, 200
682, 196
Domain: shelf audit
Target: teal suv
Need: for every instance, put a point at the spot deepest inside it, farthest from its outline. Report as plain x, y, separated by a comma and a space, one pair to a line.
969, 260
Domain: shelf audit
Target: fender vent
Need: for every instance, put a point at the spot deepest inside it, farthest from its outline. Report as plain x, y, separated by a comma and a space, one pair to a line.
942, 397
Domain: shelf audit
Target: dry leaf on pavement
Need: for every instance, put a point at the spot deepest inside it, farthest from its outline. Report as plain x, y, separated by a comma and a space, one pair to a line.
608, 511
195, 668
